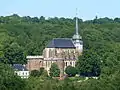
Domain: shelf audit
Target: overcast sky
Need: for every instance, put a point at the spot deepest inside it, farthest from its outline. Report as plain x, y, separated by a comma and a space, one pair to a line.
87, 9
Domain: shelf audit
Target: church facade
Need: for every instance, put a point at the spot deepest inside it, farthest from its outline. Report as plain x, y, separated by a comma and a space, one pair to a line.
62, 51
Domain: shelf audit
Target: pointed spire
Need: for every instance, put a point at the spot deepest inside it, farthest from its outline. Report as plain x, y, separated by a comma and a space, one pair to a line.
76, 22
76, 36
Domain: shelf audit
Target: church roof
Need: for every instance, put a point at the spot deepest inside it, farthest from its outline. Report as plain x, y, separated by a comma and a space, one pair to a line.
61, 43
19, 67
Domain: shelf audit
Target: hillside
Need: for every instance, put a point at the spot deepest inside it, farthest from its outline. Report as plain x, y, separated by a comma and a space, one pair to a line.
21, 36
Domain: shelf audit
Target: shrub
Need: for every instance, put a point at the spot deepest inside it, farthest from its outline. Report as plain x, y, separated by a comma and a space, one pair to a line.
35, 73
71, 71
54, 70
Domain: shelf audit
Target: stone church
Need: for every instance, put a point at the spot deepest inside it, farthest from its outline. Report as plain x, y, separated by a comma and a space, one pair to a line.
62, 51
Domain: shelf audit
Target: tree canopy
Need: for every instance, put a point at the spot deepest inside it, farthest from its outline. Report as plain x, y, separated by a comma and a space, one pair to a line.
8, 80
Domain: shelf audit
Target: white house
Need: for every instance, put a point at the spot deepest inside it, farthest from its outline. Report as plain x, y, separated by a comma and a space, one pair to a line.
21, 70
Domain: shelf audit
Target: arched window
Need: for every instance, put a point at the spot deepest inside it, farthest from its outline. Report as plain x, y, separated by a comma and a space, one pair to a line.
50, 53
66, 64
74, 57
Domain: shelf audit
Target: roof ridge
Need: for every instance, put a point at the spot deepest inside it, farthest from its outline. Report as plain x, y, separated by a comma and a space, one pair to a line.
62, 38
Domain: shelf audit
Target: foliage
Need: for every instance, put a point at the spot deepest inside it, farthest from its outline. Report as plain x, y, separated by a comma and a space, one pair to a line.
44, 73
41, 70
71, 71
54, 70
14, 54
38, 73
8, 81
89, 64
35, 73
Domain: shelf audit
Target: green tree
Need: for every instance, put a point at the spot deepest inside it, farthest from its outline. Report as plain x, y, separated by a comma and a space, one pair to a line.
14, 54
35, 73
89, 63
54, 70
43, 72
71, 71
8, 80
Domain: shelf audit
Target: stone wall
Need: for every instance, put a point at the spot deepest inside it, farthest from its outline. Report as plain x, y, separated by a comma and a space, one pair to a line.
34, 63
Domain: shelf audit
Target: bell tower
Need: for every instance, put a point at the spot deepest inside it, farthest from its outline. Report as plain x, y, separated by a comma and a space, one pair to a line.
77, 39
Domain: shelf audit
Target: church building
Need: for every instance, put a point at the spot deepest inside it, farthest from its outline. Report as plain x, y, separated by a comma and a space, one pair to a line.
62, 51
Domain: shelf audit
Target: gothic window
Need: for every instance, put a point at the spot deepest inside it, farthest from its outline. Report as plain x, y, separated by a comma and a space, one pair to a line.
55, 52
69, 56
49, 52
63, 54
74, 56
71, 63
66, 64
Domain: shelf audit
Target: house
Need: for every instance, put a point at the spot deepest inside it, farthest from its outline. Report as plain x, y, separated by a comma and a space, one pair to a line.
21, 70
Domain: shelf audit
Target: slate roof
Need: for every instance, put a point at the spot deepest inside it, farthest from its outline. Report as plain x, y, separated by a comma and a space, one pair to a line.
61, 43
19, 67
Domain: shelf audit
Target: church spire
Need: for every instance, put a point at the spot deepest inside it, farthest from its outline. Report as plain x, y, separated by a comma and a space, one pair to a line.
77, 39
76, 36
76, 22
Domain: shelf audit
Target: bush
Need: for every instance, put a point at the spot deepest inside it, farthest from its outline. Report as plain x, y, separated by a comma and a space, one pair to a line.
41, 70
71, 71
44, 73
35, 73
54, 70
